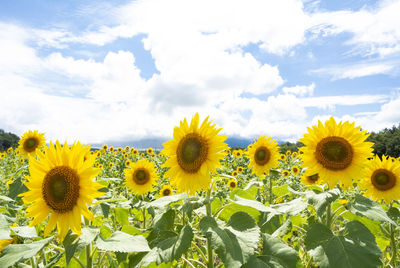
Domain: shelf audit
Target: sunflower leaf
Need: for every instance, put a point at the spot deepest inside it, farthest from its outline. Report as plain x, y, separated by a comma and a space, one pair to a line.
363, 206
357, 248
122, 242
13, 254
73, 243
321, 200
25, 231
235, 243
4, 228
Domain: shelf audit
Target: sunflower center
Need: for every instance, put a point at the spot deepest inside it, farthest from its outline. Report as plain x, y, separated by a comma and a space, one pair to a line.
313, 178
334, 153
233, 184
383, 179
141, 176
166, 192
192, 152
60, 189
31, 144
262, 155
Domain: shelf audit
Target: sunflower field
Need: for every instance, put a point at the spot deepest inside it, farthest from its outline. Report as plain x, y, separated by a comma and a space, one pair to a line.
197, 203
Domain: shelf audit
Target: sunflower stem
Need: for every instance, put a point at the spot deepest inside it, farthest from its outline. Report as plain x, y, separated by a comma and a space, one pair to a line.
33, 262
393, 245
328, 216
144, 218
270, 191
210, 261
89, 260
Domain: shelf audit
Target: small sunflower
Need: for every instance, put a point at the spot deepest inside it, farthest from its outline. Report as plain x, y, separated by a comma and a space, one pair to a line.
128, 163
30, 142
127, 148
98, 153
150, 151
232, 184
166, 190
310, 178
111, 149
288, 152
294, 154
285, 173
2, 155
250, 146
194, 152
141, 176
119, 150
237, 153
381, 179
337, 152
263, 156
240, 169
126, 155
295, 170
110, 165
135, 152
142, 154
282, 157
234, 173
61, 185
104, 147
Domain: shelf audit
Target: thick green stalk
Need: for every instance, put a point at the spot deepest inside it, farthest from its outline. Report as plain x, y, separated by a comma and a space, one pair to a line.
393, 245
210, 261
328, 215
144, 218
270, 191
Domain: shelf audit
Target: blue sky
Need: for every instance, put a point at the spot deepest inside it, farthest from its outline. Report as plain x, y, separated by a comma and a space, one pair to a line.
128, 70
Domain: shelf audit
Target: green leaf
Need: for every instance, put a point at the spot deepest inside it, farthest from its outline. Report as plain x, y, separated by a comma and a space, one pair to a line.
357, 248
4, 228
165, 201
25, 231
235, 243
169, 249
16, 187
164, 221
131, 230
105, 208
20, 252
105, 231
283, 229
121, 215
73, 243
233, 208
7, 199
279, 191
321, 200
276, 254
122, 242
363, 206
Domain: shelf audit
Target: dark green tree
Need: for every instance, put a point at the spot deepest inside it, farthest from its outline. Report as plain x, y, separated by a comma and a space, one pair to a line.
386, 141
7, 140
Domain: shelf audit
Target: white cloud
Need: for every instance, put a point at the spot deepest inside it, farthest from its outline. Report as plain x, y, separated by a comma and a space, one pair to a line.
300, 90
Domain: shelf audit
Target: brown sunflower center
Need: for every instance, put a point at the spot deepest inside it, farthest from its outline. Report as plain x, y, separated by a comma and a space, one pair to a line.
313, 178
383, 179
232, 184
262, 155
60, 189
141, 176
31, 144
166, 192
295, 170
334, 153
192, 152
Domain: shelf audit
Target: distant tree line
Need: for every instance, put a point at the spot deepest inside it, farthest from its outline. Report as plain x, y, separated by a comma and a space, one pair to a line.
7, 140
387, 141
289, 146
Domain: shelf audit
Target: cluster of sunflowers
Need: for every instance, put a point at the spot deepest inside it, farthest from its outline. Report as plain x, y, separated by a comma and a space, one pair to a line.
62, 178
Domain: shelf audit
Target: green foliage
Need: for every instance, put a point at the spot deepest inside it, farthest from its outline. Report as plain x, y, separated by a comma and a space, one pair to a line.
386, 141
7, 140
289, 146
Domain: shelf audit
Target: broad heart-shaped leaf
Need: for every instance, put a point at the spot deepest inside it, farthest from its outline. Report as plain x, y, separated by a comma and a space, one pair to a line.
20, 252
164, 201
235, 243
169, 249
121, 215
363, 206
276, 254
4, 228
16, 187
122, 242
73, 243
357, 248
291, 208
25, 231
321, 200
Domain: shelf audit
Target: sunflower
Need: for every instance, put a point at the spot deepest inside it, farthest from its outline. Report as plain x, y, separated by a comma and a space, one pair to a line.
234, 173
142, 154
127, 148
98, 154
250, 146
135, 152
237, 153
288, 152
263, 156
381, 179
295, 170
240, 169
285, 173
150, 151
126, 155
310, 178
110, 165
166, 190
2, 155
105, 147
128, 163
294, 154
282, 157
336, 151
194, 152
9, 150
30, 142
111, 149
141, 176
232, 184
119, 149
61, 184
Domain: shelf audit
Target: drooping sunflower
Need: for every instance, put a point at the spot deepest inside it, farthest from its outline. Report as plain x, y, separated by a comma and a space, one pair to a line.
194, 152
141, 176
381, 179
30, 142
263, 156
311, 178
61, 184
166, 190
337, 152
295, 170
232, 183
